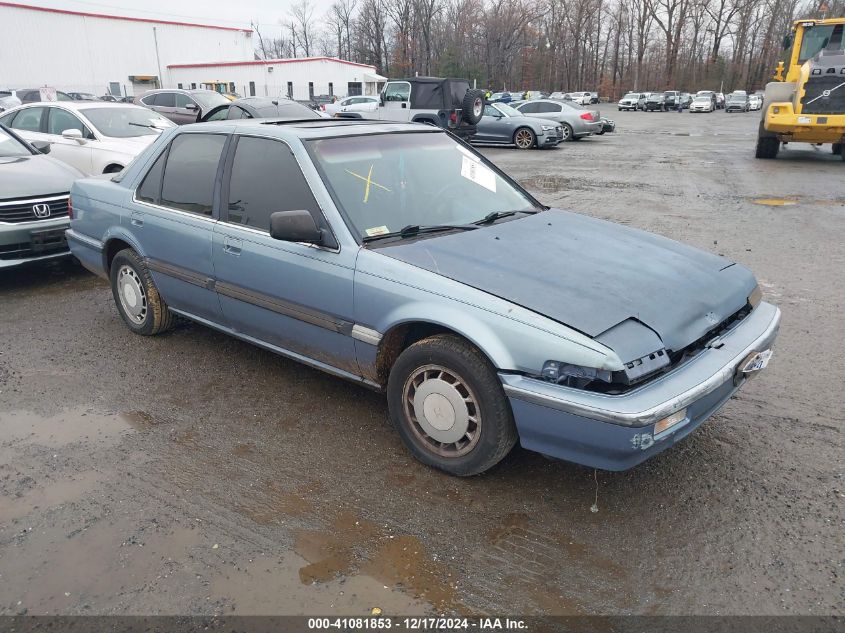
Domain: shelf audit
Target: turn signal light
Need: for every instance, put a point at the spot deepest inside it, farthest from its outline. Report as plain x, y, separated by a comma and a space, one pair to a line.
69, 208
669, 422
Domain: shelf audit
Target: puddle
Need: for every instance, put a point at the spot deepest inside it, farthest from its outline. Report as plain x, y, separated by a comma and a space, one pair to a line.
102, 564
273, 504
271, 587
353, 548
27, 495
67, 427
775, 202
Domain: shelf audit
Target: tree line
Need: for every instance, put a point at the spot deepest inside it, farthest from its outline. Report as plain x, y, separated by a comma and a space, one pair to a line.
609, 46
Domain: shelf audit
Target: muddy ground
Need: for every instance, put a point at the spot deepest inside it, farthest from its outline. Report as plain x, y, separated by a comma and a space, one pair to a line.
191, 473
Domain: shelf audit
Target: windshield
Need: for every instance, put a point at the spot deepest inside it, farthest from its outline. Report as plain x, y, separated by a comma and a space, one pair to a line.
385, 182
209, 99
631, 95
815, 39
125, 122
507, 110
9, 146
736, 98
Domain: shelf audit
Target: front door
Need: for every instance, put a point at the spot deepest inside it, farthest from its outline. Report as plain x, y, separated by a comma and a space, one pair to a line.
77, 153
397, 101
173, 218
294, 296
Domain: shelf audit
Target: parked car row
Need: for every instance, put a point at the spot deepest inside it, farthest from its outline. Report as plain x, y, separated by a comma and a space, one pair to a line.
702, 101
581, 98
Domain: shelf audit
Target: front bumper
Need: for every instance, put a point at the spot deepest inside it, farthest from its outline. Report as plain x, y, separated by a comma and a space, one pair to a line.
25, 242
617, 432
811, 128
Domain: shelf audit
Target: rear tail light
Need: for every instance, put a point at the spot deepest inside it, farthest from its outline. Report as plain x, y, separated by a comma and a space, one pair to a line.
453, 117
69, 208
323, 107
587, 116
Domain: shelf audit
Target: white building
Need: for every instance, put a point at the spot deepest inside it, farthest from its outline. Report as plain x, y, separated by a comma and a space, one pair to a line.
298, 79
94, 52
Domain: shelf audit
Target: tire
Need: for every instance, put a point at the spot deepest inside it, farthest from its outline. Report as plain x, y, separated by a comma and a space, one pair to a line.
524, 138
472, 107
568, 133
447, 371
138, 301
767, 147
836, 148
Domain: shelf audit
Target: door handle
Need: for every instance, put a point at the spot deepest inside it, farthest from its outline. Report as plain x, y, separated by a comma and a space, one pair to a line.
136, 219
232, 246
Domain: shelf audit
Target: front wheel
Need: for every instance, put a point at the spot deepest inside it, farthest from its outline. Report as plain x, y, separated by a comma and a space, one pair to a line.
138, 301
448, 406
524, 138
767, 147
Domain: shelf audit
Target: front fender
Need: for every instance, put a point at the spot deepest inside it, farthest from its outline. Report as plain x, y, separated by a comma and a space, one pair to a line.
390, 293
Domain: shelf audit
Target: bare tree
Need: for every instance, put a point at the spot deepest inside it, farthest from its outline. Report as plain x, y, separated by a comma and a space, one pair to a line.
302, 25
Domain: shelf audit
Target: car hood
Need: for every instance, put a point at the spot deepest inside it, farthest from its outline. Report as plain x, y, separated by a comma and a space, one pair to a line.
27, 176
128, 145
589, 274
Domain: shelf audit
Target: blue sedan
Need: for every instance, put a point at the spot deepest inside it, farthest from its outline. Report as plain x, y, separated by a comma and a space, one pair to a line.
397, 257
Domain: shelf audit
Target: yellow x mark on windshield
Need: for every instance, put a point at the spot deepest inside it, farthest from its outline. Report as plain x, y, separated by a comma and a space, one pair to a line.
369, 180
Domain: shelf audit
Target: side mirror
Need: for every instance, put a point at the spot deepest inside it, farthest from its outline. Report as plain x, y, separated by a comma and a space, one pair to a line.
295, 226
191, 106
73, 135
42, 147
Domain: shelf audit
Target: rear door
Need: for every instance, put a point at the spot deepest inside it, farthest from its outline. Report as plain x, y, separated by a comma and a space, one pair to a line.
165, 104
297, 297
30, 123
173, 219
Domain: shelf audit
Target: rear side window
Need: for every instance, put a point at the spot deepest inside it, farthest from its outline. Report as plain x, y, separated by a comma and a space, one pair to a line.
165, 100
191, 169
548, 107
151, 186
266, 178
530, 108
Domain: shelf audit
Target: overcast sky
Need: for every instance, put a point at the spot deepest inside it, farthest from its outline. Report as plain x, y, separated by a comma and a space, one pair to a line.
267, 13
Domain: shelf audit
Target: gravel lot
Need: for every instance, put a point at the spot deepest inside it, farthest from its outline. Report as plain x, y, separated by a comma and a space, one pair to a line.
194, 474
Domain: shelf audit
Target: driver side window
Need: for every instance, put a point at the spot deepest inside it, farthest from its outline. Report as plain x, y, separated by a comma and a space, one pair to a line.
399, 91
490, 111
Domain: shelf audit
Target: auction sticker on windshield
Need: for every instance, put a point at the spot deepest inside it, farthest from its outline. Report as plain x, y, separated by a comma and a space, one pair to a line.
478, 173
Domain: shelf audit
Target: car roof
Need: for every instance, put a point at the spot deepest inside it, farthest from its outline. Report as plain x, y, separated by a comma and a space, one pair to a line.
311, 128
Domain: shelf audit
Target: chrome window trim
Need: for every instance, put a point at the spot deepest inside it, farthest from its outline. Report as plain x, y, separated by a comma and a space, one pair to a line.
64, 196
189, 214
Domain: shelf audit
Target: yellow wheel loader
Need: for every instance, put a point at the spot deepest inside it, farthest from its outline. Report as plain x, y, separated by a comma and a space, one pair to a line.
806, 101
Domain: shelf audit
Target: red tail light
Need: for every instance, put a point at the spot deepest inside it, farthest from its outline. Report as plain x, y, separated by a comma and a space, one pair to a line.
323, 107
453, 118
69, 208
587, 116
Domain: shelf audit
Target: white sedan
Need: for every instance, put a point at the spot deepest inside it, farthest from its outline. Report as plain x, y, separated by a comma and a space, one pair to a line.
352, 104
95, 137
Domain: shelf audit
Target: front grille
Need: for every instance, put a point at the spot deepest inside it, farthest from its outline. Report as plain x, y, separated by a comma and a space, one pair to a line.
815, 87
21, 210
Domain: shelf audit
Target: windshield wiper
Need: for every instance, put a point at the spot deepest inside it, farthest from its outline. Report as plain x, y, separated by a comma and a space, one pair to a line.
415, 229
149, 126
498, 215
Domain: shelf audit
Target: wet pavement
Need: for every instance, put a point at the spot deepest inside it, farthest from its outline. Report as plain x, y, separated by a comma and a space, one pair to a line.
191, 473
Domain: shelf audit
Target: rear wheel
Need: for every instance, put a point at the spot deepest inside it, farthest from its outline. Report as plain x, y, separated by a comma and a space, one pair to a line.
448, 406
137, 298
567, 132
524, 138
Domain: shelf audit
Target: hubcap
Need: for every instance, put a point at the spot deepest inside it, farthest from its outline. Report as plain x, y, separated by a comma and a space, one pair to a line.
523, 139
442, 410
131, 293
477, 107
566, 133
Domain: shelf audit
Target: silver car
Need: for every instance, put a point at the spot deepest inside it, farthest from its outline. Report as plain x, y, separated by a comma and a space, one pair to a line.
576, 122
502, 124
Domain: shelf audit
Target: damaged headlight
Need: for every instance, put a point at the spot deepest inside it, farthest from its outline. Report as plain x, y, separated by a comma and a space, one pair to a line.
570, 375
